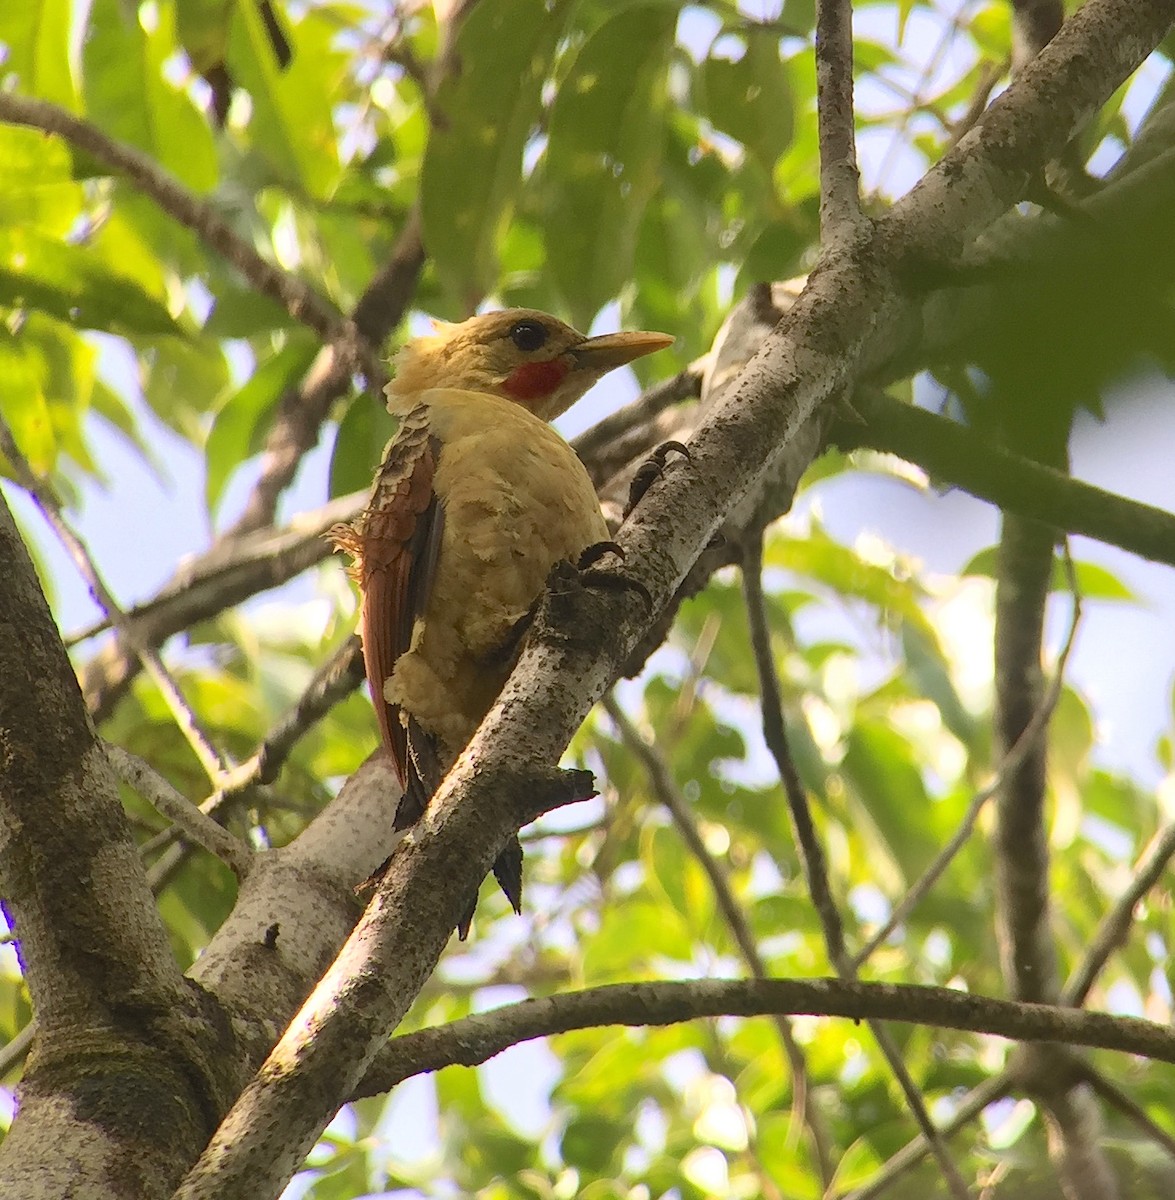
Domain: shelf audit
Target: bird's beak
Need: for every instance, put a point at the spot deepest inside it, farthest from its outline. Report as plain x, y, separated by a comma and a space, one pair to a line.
610, 350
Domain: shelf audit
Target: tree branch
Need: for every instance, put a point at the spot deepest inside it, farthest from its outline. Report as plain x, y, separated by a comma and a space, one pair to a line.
42, 495
1115, 925
299, 300
473, 1040
177, 808
840, 201
952, 454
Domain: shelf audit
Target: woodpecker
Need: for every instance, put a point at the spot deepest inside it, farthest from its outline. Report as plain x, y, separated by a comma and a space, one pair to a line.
476, 499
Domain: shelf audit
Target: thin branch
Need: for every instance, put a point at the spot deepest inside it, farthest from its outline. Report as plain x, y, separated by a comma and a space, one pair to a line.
685, 385
177, 808
299, 300
812, 853
301, 412
840, 201
230, 571
954, 455
1011, 761
913, 1152
332, 682
44, 497
666, 791
1115, 925
473, 1040
14, 1051
1129, 1108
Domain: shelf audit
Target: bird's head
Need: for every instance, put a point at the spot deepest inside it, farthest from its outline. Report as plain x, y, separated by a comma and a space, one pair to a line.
518, 353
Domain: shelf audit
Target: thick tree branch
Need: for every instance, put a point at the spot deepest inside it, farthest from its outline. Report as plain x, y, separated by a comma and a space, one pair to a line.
116, 1021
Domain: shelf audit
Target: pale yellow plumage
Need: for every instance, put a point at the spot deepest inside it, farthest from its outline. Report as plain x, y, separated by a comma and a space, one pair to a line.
517, 500
477, 498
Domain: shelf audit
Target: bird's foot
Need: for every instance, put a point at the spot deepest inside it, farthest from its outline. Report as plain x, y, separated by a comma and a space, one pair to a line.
649, 471
590, 576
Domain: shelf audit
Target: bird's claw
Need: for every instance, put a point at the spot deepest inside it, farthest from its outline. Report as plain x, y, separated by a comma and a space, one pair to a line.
649, 471
566, 576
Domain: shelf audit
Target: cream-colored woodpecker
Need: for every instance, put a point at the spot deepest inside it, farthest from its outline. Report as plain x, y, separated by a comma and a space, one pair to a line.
476, 500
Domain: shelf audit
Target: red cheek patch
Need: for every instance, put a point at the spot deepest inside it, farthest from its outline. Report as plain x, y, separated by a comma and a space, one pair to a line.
532, 381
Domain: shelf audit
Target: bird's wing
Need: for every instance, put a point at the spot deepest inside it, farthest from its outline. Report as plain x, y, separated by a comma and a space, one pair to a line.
397, 541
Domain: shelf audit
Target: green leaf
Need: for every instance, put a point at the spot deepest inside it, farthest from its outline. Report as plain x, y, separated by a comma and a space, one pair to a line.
37, 188
363, 434
69, 282
749, 98
292, 123
236, 432
846, 572
473, 163
879, 764
127, 94
1094, 582
24, 405
36, 37
202, 28
602, 165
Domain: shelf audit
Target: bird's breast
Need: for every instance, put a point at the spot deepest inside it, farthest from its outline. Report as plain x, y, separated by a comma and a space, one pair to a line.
517, 500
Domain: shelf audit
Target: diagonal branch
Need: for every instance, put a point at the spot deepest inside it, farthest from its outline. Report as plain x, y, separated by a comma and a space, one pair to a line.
42, 494
1115, 925
1027, 743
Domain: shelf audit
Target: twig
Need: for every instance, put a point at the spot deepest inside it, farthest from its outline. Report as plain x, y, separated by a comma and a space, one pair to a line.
46, 501
1010, 763
14, 1052
299, 300
666, 791
840, 202
1128, 1107
473, 1040
812, 854
1112, 931
178, 809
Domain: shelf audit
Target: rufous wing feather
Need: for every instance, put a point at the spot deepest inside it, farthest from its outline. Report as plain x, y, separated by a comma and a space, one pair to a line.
396, 542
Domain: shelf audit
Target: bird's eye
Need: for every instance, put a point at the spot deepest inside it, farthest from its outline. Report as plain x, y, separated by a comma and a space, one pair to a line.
528, 335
